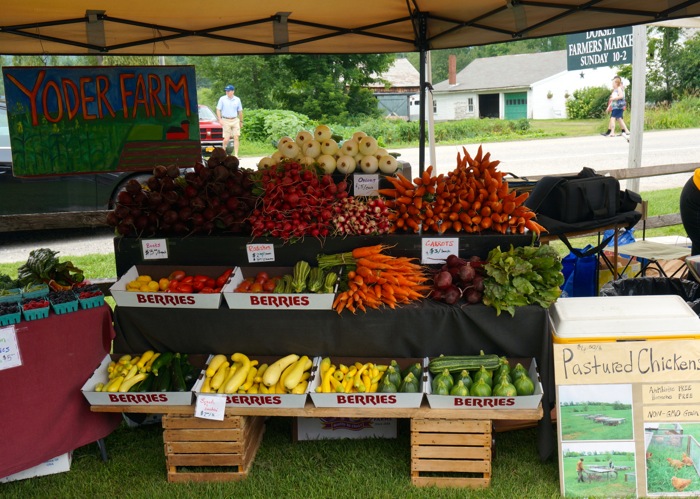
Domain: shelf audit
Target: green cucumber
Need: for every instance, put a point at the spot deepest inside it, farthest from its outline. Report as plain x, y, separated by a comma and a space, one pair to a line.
457, 363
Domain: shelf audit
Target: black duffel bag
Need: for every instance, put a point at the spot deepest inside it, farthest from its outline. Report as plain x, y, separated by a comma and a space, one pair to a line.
577, 198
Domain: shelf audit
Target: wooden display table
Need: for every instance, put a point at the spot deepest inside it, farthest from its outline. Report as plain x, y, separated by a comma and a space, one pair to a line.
443, 441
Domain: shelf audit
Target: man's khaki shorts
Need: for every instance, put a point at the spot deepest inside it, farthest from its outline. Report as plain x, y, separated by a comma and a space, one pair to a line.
231, 127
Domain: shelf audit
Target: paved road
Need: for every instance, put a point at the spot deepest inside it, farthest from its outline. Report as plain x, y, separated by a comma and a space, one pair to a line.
523, 158
564, 155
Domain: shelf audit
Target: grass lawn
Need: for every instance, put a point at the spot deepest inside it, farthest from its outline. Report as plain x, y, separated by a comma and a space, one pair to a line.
331, 468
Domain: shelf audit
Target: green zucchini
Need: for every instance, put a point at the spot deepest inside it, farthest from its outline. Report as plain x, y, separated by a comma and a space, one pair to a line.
178, 380
315, 282
457, 363
162, 361
300, 276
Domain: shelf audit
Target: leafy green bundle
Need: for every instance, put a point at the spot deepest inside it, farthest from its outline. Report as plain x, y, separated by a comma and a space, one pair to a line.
526, 275
42, 266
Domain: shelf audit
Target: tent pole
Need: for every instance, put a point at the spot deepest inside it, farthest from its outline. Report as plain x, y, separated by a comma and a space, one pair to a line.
639, 66
423, 48
421, 115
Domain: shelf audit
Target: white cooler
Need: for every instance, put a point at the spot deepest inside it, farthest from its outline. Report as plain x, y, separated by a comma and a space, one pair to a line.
615, 318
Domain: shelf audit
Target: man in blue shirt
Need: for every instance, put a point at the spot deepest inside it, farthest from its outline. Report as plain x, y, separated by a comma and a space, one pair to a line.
229, 110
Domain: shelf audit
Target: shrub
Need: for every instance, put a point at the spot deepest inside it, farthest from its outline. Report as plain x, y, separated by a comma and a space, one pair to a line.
266, 125
588, 103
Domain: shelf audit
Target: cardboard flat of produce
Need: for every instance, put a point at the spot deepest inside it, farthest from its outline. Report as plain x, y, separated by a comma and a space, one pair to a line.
129, 398
268, 400
388, 400
505, 403
273, 301
160, 299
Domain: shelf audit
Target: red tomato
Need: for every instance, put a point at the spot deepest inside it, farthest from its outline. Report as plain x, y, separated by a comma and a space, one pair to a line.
184, 288
256, 287
269, 286
198, 285
221, 280
244, 287
177, 275
262, 276
200, 278
172, 286
206, 290
210, 283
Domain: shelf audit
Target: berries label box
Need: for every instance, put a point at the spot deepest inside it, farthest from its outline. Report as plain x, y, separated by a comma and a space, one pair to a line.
489, 403
273, 301
145, 399
374, 399
253, 400
161, 299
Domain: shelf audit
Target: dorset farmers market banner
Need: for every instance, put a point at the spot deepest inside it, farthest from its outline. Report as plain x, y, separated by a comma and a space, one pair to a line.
97, 119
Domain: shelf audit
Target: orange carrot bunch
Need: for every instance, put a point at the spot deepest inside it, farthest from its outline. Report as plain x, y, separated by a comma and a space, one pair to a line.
377, 279
473, 197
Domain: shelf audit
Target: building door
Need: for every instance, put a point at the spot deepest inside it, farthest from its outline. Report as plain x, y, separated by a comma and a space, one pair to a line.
488, 106
516, 106
395, 105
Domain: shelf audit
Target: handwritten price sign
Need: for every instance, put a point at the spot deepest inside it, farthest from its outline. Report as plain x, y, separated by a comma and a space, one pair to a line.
154, 249
258, 253
210, 407
9, 350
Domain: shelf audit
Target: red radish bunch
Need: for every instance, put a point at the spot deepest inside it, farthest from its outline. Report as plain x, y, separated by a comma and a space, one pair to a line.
295, 202
361, 216
216, 197
459, 278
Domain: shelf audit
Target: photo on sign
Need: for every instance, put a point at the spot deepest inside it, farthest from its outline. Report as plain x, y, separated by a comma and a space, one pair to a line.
596, 412
672, 458
600, 469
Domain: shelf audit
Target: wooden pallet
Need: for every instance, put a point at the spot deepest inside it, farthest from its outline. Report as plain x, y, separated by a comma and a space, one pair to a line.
451, 453
194, 445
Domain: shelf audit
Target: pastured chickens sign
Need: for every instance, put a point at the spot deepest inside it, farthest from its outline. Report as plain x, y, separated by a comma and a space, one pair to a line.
97, 119
628, 417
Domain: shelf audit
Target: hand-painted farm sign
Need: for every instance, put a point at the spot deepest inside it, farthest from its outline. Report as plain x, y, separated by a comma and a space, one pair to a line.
97, 119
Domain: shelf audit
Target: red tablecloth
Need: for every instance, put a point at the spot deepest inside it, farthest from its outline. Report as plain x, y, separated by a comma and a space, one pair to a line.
43, 414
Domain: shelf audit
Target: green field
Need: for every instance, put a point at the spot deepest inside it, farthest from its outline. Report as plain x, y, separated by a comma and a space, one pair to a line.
596, 484
576, 426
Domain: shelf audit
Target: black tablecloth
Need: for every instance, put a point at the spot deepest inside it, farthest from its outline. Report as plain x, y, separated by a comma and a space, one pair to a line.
422, 329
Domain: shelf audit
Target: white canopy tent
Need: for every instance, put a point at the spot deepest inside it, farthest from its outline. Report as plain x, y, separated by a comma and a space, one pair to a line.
177, 27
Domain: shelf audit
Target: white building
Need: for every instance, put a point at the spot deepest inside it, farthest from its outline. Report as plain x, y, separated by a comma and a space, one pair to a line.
533, 86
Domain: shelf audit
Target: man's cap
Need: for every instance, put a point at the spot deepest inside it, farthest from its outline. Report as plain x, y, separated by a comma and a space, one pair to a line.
229, 87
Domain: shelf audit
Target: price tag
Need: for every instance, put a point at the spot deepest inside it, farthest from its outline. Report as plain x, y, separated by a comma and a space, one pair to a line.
210, 407
366, 185
260, 252
154, 249
436, 249
9, 349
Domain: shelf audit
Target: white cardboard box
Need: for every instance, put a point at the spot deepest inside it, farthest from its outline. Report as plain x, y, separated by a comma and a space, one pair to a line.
59, 464
277, 400
500, 403
159, 299
136, 398
273, 301
336, 428
389, 400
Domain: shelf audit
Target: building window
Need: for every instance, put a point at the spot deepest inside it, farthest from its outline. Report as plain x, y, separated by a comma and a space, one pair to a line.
470, 102
434, 106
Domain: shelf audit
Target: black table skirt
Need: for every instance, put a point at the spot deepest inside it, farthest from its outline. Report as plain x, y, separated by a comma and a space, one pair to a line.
422, 329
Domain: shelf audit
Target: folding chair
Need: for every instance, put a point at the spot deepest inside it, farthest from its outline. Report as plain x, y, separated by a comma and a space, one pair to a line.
650, 253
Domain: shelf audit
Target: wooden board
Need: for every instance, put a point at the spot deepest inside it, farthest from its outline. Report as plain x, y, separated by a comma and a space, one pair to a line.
451, 453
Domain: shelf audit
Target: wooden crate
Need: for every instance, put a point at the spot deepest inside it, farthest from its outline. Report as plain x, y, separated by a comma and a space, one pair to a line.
193, 446
451, 452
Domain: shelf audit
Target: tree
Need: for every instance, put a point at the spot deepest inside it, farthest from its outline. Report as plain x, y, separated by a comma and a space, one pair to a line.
687, 67
320, 86
662, 50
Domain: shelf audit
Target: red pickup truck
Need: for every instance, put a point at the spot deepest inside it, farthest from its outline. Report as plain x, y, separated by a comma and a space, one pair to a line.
210, 131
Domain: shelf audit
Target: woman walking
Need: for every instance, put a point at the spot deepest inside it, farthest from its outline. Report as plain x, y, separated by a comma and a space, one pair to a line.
616, 107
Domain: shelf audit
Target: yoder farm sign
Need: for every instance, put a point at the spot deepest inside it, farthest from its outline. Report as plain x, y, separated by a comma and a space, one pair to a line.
97, 119
593, 49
